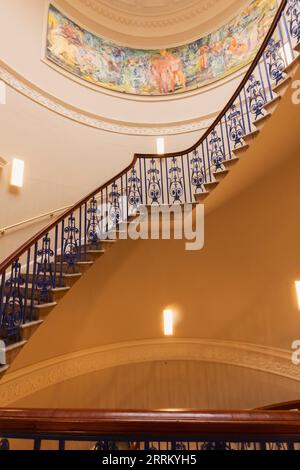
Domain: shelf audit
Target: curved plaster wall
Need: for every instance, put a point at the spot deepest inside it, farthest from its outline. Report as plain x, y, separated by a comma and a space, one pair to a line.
239, 288
29, 20
166, 384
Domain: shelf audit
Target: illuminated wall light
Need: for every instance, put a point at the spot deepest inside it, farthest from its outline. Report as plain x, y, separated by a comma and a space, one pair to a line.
168, 322
17, 174
297, 285
160, 146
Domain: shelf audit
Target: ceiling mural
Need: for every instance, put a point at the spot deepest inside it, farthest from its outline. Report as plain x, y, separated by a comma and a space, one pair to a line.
158, 72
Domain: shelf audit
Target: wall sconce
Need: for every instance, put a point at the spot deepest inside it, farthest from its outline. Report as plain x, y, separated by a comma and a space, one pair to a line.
160, 146
297, 286
17, 173
168, 322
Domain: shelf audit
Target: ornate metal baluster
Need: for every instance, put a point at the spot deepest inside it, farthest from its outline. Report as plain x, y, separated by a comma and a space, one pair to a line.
106, 446
274, 60
14, 308
4, 444
217, 154
45, 280
293, 12
236, 128
71, 242
175, 181
154, 184
115, 213
134, 189
256, 97
93, 222
197, 174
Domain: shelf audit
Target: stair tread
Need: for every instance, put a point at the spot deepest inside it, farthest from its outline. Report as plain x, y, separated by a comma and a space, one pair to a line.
273, 100
32, 323
11, 347
251, 134
41, 306
211, 183
54, 289
95, 251
262, 118
79, 263
233, 159
291, 65
68, 275
3, 369
241, 148
286, 80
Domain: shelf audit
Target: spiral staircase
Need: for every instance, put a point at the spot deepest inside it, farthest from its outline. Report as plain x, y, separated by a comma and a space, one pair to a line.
41, 272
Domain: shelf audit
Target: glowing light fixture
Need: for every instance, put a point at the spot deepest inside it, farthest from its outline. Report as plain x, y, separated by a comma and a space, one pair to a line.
297, 285
168, 322
160, 145
17, 174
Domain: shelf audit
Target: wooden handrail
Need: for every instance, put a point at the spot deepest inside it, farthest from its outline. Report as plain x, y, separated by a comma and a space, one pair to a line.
39, 422
32, 219
23, 248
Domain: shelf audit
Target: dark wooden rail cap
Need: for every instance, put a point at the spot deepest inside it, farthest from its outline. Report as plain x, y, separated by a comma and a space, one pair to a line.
20, 251
162, 423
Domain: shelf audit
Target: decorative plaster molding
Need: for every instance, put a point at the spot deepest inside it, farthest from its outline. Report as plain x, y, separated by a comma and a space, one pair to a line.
18, 83
24, 382
158, 21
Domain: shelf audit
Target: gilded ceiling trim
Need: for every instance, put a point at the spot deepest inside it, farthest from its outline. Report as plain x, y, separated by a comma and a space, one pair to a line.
24, 382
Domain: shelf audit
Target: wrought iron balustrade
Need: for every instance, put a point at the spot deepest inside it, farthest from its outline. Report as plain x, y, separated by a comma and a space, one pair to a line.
32, 275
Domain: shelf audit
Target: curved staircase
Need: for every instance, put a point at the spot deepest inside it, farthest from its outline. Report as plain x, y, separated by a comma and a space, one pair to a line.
42, 271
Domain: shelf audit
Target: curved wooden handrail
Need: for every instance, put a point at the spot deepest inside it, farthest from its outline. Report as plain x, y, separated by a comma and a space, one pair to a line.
23, 248
163, 423
287, 405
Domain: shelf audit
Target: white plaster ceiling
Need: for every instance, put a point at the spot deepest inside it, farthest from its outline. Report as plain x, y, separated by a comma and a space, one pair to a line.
155, 23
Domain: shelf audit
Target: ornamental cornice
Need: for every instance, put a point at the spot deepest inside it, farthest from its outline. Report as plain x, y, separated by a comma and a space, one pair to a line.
23, 86
118, 16
24, 382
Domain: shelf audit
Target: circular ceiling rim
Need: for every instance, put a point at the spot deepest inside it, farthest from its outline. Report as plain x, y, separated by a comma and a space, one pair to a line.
153, 32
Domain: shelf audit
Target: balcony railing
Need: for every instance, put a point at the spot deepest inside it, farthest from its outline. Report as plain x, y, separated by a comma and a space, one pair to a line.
150, 430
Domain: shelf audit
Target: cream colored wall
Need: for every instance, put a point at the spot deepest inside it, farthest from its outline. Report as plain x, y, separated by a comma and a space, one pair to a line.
169, 384
239, 287
28, 19
64, 161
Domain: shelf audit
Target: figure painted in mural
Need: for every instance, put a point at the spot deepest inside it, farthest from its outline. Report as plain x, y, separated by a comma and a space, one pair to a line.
153, 72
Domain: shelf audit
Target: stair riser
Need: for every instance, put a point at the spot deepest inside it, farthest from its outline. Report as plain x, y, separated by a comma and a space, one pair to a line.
220, 176
27, 332
12, 354
42, 313
54, 296
201, 197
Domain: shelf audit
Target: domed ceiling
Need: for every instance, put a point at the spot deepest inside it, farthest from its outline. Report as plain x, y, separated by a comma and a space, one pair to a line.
156, 23
152, 72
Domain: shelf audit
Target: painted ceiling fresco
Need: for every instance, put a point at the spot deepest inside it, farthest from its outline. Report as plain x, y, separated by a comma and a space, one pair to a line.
158, 72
